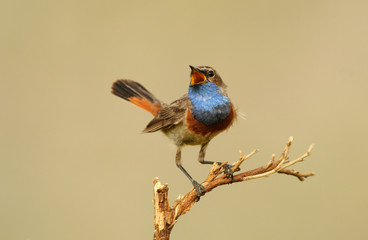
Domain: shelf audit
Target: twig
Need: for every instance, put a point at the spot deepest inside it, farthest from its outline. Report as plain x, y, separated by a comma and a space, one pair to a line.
165, 217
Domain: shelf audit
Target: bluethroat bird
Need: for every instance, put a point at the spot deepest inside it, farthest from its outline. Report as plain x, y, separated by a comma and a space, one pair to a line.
193, 119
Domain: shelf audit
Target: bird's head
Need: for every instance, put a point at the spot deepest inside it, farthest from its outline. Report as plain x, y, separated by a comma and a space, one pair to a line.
202, 74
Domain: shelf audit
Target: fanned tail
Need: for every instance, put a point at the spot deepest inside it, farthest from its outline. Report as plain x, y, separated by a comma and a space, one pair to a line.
136, 94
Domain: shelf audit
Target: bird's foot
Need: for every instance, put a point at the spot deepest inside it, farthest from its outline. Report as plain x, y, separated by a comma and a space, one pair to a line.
199, 188
229, 171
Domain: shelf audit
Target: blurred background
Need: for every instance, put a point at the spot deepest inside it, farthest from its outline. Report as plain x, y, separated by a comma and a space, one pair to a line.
73, 161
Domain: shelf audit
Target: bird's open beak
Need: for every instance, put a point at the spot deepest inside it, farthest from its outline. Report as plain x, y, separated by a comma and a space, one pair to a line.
197, 76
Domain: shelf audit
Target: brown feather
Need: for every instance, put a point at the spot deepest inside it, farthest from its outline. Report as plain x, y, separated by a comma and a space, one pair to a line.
169, 115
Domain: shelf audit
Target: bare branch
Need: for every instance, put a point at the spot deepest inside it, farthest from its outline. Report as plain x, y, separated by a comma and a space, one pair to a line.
300, 176
165, 217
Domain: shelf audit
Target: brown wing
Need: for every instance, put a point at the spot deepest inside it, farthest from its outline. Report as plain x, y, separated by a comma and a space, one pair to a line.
169, 115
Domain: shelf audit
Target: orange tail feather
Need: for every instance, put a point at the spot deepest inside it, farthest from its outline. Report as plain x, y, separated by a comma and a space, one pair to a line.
145, 104
136, 94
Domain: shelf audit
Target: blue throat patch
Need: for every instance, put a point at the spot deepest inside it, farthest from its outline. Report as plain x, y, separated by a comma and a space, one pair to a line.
209, 105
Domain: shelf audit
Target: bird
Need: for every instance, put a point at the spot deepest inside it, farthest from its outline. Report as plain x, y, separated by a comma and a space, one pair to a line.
194, 119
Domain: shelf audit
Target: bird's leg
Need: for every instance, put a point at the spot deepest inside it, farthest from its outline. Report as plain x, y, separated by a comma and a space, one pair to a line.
198, 187
227, 167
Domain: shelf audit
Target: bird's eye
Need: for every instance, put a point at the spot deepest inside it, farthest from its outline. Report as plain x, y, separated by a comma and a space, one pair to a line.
211, 73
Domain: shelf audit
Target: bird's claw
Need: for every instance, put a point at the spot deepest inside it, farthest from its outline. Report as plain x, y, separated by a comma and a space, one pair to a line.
236, 170
229, 172
199, 188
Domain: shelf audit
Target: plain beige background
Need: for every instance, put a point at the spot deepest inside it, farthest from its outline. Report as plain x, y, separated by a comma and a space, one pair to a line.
74, 165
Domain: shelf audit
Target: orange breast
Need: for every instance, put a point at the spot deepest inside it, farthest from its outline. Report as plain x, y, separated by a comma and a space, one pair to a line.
202, 129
